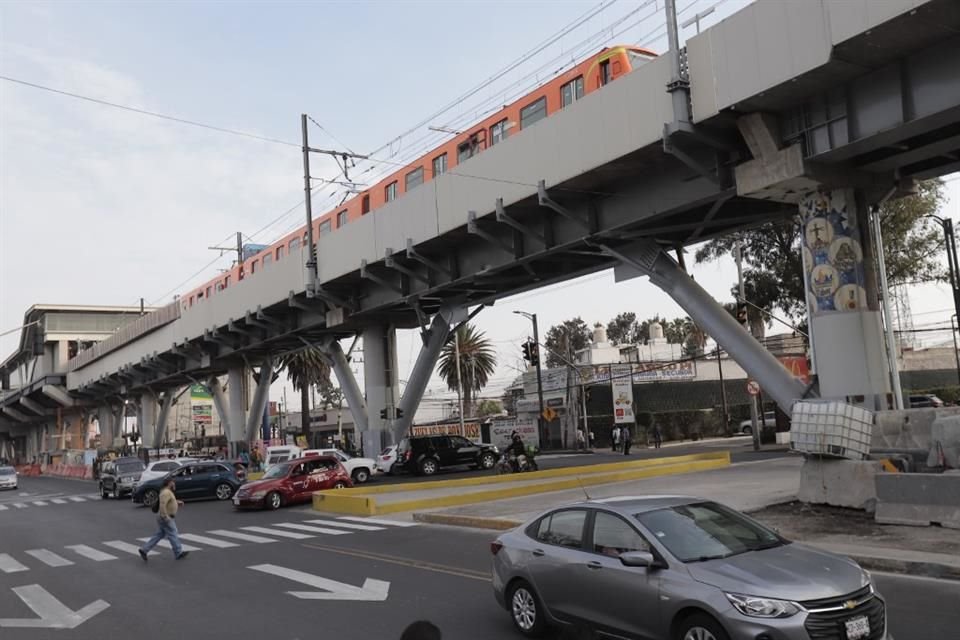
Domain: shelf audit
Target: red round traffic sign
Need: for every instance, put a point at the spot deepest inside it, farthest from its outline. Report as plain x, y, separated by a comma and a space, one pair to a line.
753, 387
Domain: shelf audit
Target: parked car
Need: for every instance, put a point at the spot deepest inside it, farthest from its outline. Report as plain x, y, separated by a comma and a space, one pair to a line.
746, 426
195, 481
386, 459
8, 478
160, 468
360, 469
278, 454
119, 476
292, 482
925, 400
678, 568
428, 454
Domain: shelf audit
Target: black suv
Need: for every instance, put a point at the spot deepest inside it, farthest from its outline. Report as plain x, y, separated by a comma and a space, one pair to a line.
428, 454
118, 477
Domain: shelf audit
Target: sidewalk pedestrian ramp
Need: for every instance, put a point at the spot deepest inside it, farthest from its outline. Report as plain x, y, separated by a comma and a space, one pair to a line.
393, 498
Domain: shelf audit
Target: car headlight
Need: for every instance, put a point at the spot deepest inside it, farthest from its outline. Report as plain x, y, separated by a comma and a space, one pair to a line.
256, 495
866, 580
762, 607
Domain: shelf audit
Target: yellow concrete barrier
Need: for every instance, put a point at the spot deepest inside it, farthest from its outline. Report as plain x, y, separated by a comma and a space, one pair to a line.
364, 503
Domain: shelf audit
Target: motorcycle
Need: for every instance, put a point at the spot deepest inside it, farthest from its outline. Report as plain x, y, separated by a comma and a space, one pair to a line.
509, 463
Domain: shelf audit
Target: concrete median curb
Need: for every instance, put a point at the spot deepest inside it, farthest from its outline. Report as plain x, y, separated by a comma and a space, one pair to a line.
471, 522
364, 502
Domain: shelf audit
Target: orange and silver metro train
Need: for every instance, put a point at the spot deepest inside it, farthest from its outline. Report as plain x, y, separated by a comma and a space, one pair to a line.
590, 75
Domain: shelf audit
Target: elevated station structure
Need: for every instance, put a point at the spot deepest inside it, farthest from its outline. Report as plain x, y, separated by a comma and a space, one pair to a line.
817, 108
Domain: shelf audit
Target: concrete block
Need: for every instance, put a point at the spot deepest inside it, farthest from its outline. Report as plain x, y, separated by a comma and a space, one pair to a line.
907, 429
840, 483
918, 499
945, 442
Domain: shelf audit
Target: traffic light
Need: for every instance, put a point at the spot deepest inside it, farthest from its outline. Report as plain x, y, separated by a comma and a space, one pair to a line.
742, 313
527, 355
399, 412
383, 414
534, 354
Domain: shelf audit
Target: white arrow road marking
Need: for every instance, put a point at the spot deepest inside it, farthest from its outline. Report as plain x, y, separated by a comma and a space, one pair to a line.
52, 613
372, 590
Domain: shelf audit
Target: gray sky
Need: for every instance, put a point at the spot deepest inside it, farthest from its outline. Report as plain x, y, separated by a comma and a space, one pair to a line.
104, 206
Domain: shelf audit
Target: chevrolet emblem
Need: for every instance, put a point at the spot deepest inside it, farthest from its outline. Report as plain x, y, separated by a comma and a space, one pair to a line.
850, 604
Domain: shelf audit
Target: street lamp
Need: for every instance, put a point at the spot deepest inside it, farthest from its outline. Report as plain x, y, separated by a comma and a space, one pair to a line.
536, 339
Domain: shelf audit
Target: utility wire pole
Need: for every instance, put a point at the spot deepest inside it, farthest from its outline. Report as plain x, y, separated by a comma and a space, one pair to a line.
755, 430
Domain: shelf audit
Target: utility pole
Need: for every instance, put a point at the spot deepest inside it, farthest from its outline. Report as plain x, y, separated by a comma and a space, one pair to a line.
456, 356
742, 301
723, 395
536, 340
308, 205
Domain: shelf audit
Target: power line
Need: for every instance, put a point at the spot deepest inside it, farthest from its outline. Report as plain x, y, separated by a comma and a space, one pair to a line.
144, 112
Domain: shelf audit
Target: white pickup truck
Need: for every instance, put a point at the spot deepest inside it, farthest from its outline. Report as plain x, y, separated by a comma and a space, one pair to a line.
360, 469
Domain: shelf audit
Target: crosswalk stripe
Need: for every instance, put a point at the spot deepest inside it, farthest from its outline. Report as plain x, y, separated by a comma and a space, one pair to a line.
39, 503
49, 558
346, 525
89, 552
166, 545
246, 537
306, 527
3, 507
78, 498
9, 565
20, 505
120, 545
213, 542
279, 534
58, 501
389, 523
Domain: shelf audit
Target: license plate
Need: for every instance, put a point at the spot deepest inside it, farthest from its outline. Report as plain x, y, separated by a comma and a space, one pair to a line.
236, 500
858, 628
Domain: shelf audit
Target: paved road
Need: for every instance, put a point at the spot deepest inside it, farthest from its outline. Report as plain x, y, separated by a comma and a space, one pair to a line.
741, 450
80, 552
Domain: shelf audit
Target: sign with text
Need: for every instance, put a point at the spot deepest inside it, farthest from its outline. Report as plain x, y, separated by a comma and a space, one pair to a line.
501, 430
621, 384
472, 429
202, 413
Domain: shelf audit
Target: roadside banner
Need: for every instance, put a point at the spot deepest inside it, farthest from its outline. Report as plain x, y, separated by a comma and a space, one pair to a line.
621, 384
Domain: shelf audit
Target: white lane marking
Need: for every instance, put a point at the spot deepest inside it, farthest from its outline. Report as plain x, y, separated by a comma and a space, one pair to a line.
126, 547
77, 498
306, 527
279, 534
39, 503
213, 542
346, 525
246, 537
89, 552
389, 523
166, 545
372, 590
49, 558
3, 507
9, 565
20, 505
58, 501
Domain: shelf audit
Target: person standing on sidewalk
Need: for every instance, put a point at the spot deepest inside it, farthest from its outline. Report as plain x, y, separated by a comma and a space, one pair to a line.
167, 506
626, 439
657, 437
615, 437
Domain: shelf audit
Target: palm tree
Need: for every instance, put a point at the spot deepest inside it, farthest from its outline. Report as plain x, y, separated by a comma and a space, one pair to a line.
478, 360
306, 368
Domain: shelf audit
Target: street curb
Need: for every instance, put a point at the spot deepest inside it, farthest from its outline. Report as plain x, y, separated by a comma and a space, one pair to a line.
360, 502
471, 522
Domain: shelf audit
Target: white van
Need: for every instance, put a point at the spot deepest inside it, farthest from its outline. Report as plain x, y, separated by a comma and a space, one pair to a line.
276, 455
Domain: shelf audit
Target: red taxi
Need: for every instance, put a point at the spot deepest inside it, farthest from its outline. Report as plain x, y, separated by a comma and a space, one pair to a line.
292, 482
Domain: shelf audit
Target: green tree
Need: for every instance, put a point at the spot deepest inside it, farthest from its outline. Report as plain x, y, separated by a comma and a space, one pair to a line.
565, 338
623, 328
773, 269
676, 330
306, 368
489, 408
478, 360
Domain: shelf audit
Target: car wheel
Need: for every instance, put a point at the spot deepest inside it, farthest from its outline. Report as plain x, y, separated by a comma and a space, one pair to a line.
103, 492
339, 484
748, 431
487, 460
525, 610
150, 497
224, 491
273, 501
429, 466
700, 626
361, 475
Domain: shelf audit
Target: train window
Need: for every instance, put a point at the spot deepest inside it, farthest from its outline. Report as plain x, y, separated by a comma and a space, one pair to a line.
294, 244
226, 282
253, 267
617, 67
209, 291
637, 59
468, 148
341, 218
533, 112
267, 259
199, 295
604, 72
413, 179
279, 252
191, 301
498, 132
365, 205
325, 227
390, 193
440, 165
571, 92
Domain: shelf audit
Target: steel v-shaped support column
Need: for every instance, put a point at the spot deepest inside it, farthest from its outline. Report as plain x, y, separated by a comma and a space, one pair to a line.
434, 339
348, 383
260, 397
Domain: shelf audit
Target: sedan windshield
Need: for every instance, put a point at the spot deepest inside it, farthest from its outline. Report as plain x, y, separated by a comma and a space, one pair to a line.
130, 467
278, 471
7, 471
706, 531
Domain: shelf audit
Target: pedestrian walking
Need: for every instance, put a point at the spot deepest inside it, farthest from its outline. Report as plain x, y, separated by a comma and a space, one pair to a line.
615, 436
657, 437
167, 505
625, 438
581, 439
591, 438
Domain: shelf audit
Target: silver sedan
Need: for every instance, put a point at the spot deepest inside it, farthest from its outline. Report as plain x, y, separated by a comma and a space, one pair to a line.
678, 568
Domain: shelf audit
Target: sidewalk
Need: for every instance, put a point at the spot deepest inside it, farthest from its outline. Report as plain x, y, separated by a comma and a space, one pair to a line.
767, 490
